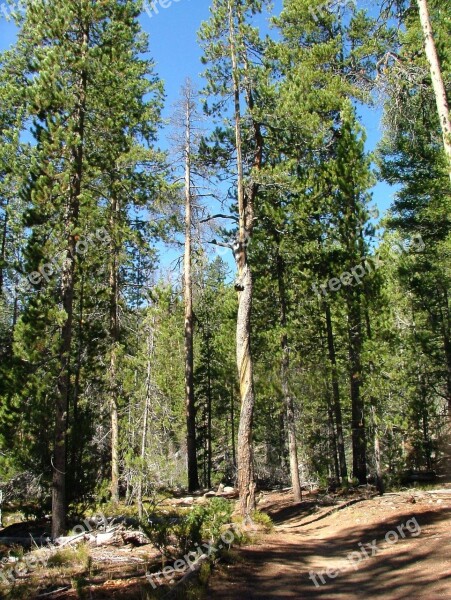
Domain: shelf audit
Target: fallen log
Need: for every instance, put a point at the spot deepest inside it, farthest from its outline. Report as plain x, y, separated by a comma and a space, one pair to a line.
116, 536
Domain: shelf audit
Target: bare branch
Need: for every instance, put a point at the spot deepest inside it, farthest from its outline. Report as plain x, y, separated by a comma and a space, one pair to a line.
222, 244
219, 216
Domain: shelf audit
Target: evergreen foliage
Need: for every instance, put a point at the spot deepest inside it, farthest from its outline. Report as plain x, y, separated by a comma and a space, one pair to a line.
350, 327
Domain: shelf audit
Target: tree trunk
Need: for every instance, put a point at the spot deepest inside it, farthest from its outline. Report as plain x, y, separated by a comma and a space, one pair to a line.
243, 285
232, 423
114, 416
447, 345
209, 415
59, 507
76, 441
333, 437
287, 397
150, 346
373, 404
355, 376
377, 453
114, 341
193, 478
3, 249
139, 495
246, 483
336, 395
291, 424
446, 321
437, 79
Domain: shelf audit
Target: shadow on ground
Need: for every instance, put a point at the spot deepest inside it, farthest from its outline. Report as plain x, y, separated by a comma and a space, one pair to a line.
414, 567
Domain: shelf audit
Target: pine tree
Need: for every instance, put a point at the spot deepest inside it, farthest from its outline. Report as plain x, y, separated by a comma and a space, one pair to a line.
227, 51
411, 156
69, 77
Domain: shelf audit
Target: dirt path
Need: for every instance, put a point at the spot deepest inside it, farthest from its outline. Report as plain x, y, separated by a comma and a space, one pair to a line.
412, 562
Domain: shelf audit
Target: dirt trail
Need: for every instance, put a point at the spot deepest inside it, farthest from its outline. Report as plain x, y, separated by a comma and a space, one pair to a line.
413, 562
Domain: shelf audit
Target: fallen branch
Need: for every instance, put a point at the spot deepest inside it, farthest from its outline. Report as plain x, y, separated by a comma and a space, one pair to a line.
63, 589
63, 541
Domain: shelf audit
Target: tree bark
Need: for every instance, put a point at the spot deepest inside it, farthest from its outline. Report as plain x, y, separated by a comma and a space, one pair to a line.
115, 250
3, 249
336, 395
246, 483
76, 441
209, 415
291, 423
373, 403
59, 507
114, 341
150, 347
287, 397
447, 346
232, 423
355, 375
437, 79
445, 326
377, 452
243, 285
193, 477
114, 416
333, 437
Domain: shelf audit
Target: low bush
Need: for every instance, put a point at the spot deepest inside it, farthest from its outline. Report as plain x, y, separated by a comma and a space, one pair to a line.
179, 533
262, 519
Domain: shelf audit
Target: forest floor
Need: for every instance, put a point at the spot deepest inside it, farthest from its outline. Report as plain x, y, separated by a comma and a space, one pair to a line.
333, 547
412, 562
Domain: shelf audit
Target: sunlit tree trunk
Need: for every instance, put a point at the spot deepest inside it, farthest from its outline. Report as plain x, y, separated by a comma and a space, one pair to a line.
437, 78
114, 339
244, 287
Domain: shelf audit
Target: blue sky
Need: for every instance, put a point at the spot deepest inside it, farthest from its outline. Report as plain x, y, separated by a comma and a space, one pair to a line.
173, 45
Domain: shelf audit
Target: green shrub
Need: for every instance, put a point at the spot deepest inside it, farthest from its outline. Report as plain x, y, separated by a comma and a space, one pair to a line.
261, 518
185, 532
188, 532
218, 513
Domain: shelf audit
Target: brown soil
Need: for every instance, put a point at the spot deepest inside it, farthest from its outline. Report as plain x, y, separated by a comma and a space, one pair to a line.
414, 567
308, 538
